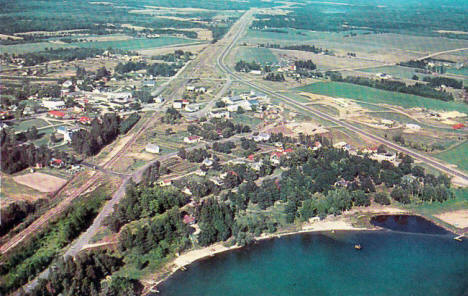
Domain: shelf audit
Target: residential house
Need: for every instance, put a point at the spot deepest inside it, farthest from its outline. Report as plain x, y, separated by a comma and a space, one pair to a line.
207, 162
51, 105
85, 120
261, 137
57, 163
56, 114
164, 183
189, 219
152, 148
187, 191
219, 114
192, 139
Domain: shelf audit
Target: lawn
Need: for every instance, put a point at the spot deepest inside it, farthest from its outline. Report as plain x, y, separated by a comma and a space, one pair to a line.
248, 119
457, 155
377, 96
24, 125
256, 54
429, 209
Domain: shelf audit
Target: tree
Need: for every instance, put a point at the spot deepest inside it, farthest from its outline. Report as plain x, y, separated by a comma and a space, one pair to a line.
400, 195
382, 198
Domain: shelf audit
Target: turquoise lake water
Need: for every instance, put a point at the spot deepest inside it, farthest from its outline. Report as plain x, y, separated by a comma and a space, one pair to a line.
390, 263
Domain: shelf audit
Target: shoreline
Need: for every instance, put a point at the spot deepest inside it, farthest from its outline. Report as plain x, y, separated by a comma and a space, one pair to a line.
339, 223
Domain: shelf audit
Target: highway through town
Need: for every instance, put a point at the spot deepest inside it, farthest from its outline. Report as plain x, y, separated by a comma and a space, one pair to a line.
424, 158
136, 176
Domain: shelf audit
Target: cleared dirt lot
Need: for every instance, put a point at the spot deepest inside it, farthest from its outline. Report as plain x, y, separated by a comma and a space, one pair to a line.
40, 181
458, 218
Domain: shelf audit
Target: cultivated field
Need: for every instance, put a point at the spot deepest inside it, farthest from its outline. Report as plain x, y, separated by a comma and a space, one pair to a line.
255, 54
377, 96
41, 182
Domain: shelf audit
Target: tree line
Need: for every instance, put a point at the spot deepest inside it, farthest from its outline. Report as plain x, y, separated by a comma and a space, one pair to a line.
26, 261
16, 155
419, 89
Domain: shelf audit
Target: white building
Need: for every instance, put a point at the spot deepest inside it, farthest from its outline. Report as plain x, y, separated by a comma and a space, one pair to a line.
256, 72
192, 139
53, 105
261, 137
219, 114
152, 148
413, 126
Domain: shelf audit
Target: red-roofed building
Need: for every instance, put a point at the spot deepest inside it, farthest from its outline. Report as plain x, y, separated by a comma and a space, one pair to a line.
192, 139
56, 114
289, 150
57, 163
251, 157
85, 120
189, 219
458, 126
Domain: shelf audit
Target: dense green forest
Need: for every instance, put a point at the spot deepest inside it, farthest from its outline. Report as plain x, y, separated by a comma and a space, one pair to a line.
413, 17
27, 261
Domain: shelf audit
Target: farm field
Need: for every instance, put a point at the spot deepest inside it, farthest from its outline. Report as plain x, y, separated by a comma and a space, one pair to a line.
377, 96
255, 54
13, 191
40, 181
130, 44
135, 44
461, 71
457, 155
395, 71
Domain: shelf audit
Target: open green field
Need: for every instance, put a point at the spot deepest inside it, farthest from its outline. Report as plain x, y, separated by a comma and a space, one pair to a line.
377, 96
395, 71
135, 44
457, 155
256, 54
131, 44
31, 47
24, 125
462, 71
428, 209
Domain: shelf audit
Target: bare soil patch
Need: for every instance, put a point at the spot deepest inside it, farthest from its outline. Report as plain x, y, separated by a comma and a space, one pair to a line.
457, 218
40, 181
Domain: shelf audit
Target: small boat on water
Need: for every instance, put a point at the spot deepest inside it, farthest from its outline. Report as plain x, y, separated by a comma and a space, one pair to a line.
358, 247
458, 238
183, 268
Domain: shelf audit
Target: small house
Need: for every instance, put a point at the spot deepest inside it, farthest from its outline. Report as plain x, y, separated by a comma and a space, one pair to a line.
56, 114
192, 139
152, 148
164, 183
57, 163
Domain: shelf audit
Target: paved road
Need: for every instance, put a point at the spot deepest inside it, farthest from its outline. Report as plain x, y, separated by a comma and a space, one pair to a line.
424, 158
108, 208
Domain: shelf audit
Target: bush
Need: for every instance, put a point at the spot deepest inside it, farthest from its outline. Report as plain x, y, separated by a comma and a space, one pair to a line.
382, 198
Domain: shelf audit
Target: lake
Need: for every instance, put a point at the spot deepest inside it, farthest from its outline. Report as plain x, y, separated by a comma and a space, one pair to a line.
390, 263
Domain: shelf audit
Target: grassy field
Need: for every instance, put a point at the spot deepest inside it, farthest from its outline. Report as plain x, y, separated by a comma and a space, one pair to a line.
395, 71
135, 44
461, 71
131, 44
254, 54
429, 209
457, 155
377, 96
24, 125
31, 47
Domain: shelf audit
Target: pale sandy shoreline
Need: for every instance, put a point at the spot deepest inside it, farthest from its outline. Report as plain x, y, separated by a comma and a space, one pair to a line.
331, 223
339, 223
